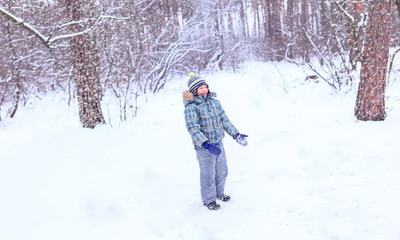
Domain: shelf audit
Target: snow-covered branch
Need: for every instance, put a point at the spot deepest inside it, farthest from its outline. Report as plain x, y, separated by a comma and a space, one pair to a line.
348, 15
54, 39
49, 41
70, 24
115, 18
27, 26
93, 19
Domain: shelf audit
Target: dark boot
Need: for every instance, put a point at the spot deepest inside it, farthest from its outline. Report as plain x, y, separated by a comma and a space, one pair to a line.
212, 205
224, 198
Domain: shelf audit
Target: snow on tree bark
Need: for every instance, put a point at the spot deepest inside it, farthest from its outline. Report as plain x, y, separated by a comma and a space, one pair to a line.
85, 74
370, 104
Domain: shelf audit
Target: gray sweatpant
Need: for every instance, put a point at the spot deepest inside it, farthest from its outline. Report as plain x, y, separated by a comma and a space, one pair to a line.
213, 173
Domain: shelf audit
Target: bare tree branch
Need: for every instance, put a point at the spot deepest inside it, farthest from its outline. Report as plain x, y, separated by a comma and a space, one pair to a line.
48, 41
27, 26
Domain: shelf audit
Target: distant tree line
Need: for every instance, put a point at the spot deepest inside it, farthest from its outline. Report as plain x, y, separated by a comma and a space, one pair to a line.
126, 48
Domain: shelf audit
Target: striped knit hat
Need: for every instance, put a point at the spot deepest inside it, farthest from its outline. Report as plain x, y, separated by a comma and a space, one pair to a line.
195, 82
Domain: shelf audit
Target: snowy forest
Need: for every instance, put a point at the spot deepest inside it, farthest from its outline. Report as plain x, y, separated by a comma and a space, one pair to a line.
88, 49
94, 143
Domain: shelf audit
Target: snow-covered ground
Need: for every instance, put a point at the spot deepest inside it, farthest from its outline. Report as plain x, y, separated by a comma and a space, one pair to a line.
310, 171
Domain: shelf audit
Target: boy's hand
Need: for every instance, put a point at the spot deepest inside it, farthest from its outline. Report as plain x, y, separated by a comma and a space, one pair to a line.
212, 148
241, 139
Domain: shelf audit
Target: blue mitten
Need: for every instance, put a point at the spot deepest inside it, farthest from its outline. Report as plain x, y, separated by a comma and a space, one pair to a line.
241, 139
212, 148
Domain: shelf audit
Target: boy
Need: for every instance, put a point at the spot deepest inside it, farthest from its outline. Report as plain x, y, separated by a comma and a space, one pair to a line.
207, 123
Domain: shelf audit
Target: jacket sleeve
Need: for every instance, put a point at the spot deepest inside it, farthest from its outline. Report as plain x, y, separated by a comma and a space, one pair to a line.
193, 126
228, 126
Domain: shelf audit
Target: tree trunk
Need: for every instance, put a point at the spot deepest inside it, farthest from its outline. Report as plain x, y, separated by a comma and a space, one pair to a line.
291, 25
370, 104
15, 73
324, 25
276, 6
243, 20
398, 6
85, 73
256, 18
304, 24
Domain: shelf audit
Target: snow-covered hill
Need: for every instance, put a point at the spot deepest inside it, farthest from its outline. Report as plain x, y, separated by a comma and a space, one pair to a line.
310, 171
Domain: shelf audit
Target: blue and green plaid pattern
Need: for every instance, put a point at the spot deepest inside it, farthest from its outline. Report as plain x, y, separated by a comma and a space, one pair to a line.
206, 120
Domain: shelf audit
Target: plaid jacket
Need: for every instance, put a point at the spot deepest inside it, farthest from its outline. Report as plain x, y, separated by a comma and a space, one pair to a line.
206, 119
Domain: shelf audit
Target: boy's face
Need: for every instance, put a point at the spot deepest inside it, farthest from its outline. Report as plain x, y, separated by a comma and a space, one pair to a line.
202, 90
